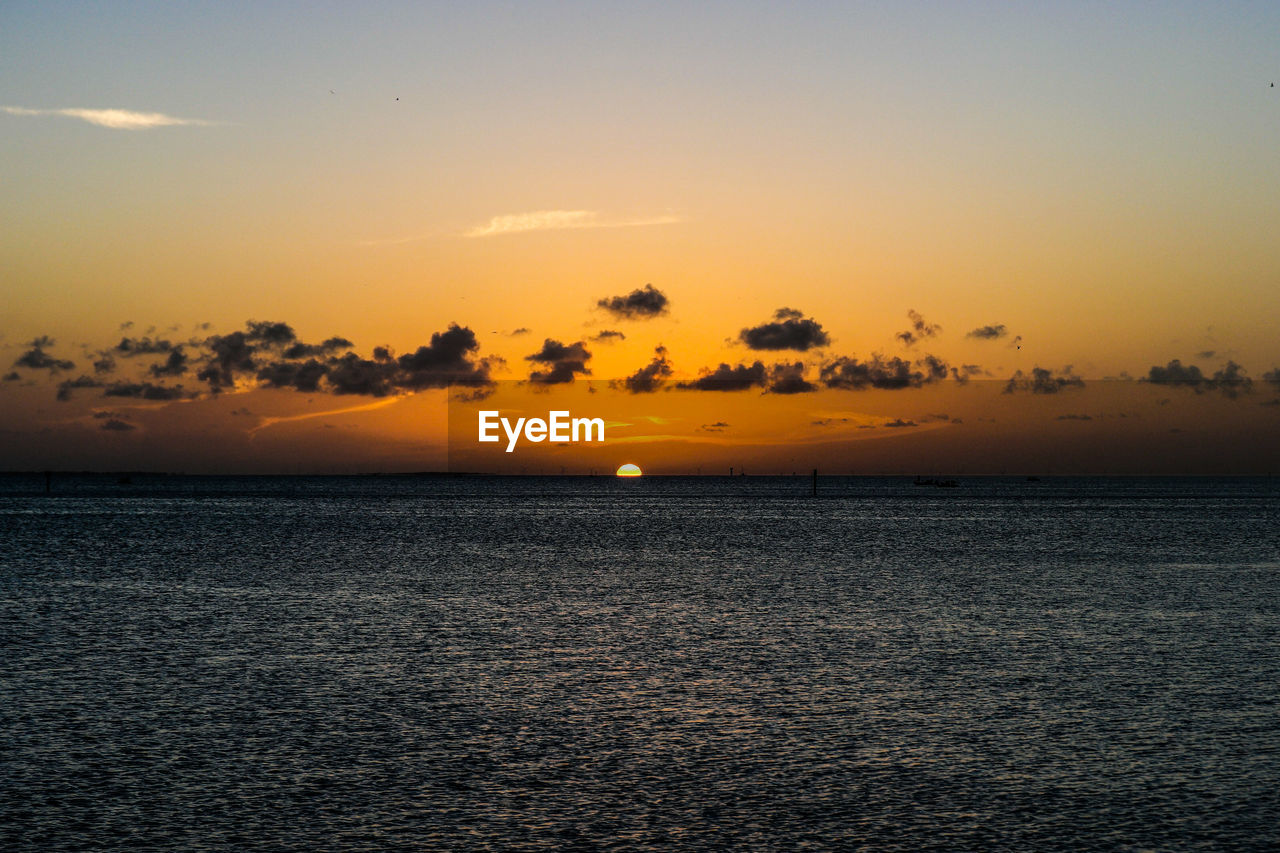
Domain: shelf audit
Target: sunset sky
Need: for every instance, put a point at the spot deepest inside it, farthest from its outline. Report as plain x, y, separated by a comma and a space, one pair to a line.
956, 237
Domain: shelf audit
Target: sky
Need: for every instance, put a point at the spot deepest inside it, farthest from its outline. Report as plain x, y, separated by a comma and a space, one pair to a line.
315, 237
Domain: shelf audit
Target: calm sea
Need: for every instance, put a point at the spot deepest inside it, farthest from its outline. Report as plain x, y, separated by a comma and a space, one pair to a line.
434, 663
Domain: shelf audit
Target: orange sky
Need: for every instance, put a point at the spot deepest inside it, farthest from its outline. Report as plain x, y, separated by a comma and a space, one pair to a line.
1101, 183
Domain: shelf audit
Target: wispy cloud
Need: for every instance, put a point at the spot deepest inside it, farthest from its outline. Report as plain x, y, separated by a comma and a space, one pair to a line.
272, 421
558, 220
113, 118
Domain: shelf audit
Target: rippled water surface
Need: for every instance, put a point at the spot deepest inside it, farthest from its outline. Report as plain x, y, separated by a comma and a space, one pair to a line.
438, 663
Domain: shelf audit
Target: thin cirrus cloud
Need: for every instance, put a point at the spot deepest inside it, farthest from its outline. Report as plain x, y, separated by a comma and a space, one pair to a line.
115, 119
560, 220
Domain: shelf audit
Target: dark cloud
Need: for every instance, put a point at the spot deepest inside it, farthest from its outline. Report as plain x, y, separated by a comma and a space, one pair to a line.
879, 372
523, 330
129, 347
115, 425
1230, 380
228, 355
789, 379
304, 376
1272, 376
300, 350
445, 361
350, 374
900, 423
988, 333
608, 336
147, 391
12, 376
105, 364
65, 388
824, 422
1206, 354
650, 377
270, 334
790, 330
126, 325
174, 365
1075, 417
37, 359
718, 426
639, 304
726, 378
564, 362
919, 330
1043, 381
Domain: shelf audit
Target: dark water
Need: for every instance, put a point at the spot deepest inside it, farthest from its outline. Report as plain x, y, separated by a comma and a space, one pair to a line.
455, 664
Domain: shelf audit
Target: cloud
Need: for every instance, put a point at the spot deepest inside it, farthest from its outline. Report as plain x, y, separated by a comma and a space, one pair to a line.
351, 374
67, 386
523, 330
564, 362
789, 379
1206, 354
718, 426
105, 364
1230, 380
726, 378
919, 330
640, 304
608, 336
12, 376
228, 355
269, 355
116, 425
1074, 417
650, 377
878, 372
147, 391
174, 365
37, 359
303, 376
788, 331
444, 362
301, 350
269, 333
899, 423
116, 119
988, 333
1272, 376
130, 347
1042, 381
558, 220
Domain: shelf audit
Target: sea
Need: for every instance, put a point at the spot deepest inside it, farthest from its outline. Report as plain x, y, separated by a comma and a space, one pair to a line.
465, 663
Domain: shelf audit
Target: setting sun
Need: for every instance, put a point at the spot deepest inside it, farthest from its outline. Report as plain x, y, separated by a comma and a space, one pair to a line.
629, 470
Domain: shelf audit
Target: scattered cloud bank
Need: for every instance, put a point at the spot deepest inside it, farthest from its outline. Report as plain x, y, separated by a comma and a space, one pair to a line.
116, 119
1043, 381
1230, 380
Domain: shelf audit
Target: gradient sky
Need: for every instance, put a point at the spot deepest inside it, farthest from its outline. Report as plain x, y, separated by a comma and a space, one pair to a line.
1101, 180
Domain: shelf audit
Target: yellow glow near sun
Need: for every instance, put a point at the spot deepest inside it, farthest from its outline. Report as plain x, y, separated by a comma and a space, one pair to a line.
629, 470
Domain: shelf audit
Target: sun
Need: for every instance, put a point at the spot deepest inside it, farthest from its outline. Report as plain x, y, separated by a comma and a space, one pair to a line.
629, 470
